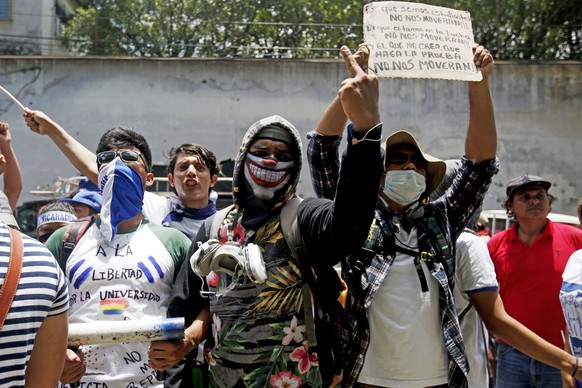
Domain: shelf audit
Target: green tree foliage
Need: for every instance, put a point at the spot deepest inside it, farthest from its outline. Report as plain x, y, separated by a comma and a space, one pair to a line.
152, 28
511, 29
224, 28
525, 29
283, 29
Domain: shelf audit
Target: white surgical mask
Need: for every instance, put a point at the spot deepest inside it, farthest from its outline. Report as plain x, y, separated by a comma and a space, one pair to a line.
266, 180
404, 186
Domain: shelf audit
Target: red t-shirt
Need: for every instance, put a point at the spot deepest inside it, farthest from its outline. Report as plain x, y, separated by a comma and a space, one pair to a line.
530, 278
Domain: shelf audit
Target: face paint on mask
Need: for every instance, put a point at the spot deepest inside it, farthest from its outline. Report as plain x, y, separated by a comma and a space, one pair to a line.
266, 176
122, 191
404, 186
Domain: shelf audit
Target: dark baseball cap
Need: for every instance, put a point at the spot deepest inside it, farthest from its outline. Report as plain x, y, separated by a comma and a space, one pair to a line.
87, 197
525, 181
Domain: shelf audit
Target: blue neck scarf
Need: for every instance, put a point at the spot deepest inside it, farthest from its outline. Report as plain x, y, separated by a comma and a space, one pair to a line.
180, 212
187, 220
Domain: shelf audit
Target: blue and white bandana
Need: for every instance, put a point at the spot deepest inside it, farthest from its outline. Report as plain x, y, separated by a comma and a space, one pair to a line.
122, 190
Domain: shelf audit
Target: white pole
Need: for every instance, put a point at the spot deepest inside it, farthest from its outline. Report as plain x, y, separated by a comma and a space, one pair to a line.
12, 97
106, 332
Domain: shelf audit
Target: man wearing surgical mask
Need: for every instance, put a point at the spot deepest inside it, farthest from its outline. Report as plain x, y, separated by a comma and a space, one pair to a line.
400, 283
122, 267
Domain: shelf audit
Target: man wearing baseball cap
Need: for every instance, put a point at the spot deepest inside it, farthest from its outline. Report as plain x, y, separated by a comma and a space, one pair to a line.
86, 203
529, 260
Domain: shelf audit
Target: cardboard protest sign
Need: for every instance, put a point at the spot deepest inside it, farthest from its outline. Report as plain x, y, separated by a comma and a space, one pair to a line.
413, 40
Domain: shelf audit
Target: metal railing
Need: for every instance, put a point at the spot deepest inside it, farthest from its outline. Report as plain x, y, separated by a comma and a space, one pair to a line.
162, 186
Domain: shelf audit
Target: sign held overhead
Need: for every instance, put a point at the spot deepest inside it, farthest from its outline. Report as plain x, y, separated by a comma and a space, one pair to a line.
413, 40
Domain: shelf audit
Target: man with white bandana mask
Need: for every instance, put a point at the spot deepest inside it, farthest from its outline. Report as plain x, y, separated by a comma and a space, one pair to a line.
122, 267
400, 283
258, 322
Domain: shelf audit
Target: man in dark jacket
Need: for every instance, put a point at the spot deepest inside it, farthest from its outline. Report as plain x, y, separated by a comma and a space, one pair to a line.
254, 281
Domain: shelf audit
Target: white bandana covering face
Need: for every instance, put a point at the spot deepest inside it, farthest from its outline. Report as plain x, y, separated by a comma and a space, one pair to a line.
404, 186
265, 178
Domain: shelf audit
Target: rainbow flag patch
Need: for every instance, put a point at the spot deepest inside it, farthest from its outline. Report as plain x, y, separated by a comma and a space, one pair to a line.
113, 306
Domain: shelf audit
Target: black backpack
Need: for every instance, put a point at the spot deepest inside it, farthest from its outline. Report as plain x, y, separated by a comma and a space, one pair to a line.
75, 230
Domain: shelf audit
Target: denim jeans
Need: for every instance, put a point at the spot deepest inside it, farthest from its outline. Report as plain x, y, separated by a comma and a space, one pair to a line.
515, 369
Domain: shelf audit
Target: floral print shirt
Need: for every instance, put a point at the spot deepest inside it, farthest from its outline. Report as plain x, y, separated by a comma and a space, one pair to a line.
258, 330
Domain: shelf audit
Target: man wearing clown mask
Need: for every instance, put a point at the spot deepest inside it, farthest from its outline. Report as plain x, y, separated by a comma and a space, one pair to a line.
123, 266
259, 326
270, 162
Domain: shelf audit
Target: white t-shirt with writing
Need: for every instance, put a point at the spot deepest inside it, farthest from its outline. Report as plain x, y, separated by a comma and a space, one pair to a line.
127, 279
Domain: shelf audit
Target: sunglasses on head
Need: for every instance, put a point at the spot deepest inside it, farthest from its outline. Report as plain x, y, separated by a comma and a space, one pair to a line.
127, 157
400, 158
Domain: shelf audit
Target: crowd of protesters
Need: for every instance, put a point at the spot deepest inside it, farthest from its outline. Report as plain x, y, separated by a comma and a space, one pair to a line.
424, 292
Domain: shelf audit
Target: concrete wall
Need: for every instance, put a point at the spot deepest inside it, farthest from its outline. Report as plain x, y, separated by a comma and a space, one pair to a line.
214, 101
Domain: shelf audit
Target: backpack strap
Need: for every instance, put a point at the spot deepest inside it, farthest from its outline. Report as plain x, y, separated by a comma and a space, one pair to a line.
437, 235
217, 221
12, 276
465, 311
417, 258
294, 239
75, 230
291, 230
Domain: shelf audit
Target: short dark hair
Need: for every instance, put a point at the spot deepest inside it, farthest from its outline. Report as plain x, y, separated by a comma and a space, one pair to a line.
198, 150
123, 137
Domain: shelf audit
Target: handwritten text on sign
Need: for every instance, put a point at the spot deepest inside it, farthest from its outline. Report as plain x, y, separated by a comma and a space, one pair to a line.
413, 40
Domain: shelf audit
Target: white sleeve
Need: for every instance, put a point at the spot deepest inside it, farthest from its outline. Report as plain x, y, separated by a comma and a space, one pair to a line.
155, 207
475, 270
573, 271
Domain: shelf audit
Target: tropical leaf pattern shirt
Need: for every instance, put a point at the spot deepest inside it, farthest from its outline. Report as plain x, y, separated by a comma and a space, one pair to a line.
258, 330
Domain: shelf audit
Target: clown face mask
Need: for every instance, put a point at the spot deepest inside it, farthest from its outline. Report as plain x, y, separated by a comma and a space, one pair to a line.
268, 167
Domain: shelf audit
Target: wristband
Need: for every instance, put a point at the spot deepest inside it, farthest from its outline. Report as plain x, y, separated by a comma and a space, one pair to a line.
575, 366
